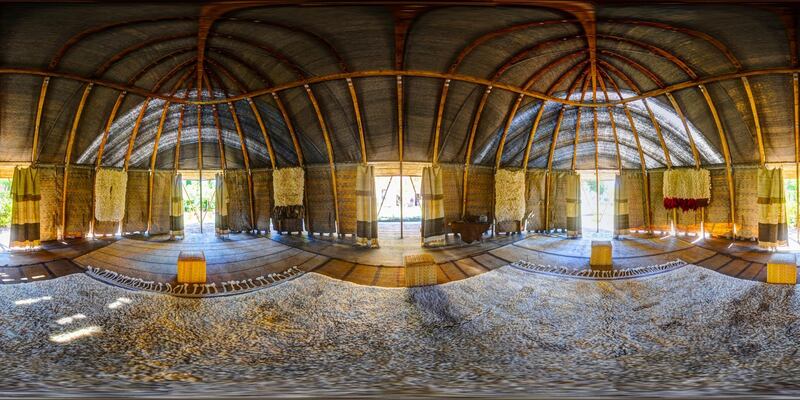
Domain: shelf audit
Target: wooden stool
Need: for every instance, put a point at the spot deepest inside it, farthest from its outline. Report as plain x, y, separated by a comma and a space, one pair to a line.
191, 267
782, 268
601, 255
420, 270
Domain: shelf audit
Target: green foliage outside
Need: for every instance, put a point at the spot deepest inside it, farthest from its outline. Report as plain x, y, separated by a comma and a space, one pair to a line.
790, 188
5, 203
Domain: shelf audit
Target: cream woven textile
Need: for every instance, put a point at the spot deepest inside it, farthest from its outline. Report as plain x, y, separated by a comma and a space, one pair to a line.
25, 197
221, 213
772, 227
110, 186
573, 200
432, 207
509, 195
535, 187
176, 207
366, 207
288, 184
621, 214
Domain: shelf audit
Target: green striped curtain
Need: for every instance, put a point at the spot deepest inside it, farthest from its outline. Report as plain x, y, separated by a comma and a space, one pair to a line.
366, 207
176, 207
432, 207
221, 214
25, 197
772, 228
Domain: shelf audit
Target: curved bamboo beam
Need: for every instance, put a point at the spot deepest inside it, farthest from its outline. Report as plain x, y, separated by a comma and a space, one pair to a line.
762, 156
217, 125
611, 119
359, 124
329, 147
38, 119
643, 164
549, 182
68, 157
578, 121
385, 73
550, 91
725, 151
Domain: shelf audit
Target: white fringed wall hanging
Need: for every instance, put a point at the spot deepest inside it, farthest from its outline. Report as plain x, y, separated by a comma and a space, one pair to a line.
687, 189
109, 190
509, 195
288, 186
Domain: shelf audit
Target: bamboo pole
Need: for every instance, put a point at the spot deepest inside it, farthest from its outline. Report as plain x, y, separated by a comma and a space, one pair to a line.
68, 157
726, 152
400, 144
323, 126
38, 121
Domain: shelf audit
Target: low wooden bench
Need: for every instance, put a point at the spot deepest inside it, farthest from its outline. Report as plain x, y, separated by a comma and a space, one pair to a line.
601, 259
420, 270
192, 267
782, 268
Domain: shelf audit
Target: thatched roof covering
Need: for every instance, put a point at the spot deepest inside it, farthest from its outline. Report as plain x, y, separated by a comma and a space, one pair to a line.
251, 47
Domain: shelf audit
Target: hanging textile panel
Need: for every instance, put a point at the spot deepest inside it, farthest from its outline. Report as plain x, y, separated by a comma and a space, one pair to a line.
745, 186
433, 233
288, 186
718, 212
509, 199
319, 194
79, 200
635, 194
176, 206
453, 187
51, 184
25, 197
535, 184
659, 215
238, 200
221, 210
136, 194
345, 182
366, 207
161, 202
573, 200
480, 188
262, 194
558, 200
773, 230
110, 186
621, 213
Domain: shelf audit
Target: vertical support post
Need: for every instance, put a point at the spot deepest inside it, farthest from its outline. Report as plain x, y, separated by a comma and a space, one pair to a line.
400, 144
359, 124
796, 96
762, 157
153, 158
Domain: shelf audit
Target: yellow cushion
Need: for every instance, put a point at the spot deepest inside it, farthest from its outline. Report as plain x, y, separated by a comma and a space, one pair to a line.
601, 254
420, 270
782, 268
191, 267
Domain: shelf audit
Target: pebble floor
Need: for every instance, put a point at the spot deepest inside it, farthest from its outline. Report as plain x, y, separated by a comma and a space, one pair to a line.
507, 332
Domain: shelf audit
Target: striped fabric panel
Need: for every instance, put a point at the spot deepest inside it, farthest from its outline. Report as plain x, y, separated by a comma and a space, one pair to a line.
772, 227
621, 208
366, 207
176, 207
221, 214
573, 200
25, 197
433, 233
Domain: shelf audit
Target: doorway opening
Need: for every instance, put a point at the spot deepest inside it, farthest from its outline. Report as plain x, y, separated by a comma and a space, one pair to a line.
597, 204
5, 214
199, 204
398, 199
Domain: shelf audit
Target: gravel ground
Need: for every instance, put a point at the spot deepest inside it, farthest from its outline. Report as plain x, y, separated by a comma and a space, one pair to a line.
507, 332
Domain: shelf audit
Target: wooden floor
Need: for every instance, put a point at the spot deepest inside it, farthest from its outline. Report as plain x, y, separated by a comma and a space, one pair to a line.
246, 256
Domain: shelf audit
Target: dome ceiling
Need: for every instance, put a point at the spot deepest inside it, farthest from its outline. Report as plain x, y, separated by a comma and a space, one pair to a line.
475, 81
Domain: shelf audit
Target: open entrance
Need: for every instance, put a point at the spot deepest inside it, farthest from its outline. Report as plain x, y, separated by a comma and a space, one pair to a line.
5, 214
597, 204
790, 190
199, 204
399, 199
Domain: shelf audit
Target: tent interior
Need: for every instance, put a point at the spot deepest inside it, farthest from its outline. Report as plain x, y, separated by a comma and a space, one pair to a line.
411, 198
